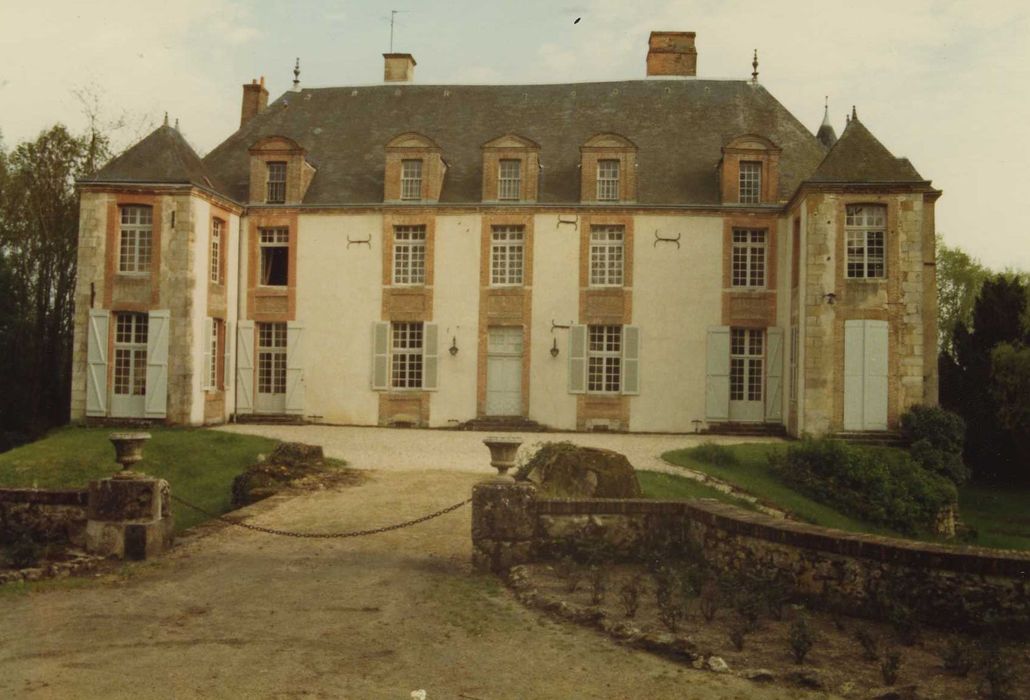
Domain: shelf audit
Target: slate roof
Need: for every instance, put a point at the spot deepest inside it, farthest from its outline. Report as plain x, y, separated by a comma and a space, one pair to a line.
164, 156
679, 126
858, 157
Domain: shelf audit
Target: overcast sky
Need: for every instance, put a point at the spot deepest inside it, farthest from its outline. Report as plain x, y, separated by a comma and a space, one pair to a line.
946, 84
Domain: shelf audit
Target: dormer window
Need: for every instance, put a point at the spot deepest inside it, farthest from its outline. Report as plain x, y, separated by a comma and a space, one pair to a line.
750, 189
509, 179
608, 180
511, 168
411, 179
276, 193
749, 171
608, 169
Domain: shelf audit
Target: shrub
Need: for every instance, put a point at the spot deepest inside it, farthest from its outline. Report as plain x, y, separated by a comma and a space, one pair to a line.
958, 657
598, 584
801, 638
999, 676
738, 632
23, 552
748, 604
709, 600
711, 453
670, 613
878, 485
629, 596
936, 438
890, 666
865, 639
902, 620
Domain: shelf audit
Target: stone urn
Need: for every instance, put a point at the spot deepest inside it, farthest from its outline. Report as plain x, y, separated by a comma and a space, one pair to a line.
128, 448
502, 455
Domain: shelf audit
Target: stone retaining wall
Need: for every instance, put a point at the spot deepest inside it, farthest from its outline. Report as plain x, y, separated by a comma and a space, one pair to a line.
48, 515
849, 572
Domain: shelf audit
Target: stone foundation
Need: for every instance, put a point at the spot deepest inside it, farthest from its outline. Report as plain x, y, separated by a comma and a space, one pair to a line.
129, 518
46, 516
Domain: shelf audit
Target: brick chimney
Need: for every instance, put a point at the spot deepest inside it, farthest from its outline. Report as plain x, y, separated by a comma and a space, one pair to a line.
671, 53
255, 99
398, 68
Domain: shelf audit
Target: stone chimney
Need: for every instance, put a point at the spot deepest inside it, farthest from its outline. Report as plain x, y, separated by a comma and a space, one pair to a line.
255, 99
398, 68
671, 53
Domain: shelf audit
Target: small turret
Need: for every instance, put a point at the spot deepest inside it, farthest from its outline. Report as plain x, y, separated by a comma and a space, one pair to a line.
826, 135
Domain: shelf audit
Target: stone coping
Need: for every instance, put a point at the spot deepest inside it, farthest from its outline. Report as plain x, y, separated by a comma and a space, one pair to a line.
45, 497
964, 559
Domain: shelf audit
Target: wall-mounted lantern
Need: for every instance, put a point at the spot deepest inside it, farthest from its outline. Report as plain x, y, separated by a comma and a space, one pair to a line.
454, 346
554, 348
831, 298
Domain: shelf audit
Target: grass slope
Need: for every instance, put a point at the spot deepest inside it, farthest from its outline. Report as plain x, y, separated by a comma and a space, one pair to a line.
671, 487
199, 464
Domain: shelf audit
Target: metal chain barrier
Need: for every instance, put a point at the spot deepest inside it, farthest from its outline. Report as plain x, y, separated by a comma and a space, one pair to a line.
321, 535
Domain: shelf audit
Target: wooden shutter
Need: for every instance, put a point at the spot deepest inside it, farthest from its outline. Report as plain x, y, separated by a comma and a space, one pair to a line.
577, 359
380, 356
774, 375
854, 348
630, 359
208, 358
156, 399
96, 362
717, 379
245, 367
874, 389
226, 356
430, 356
294, 370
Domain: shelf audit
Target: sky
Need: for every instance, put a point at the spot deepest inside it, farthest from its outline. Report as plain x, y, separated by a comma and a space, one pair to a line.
945, 84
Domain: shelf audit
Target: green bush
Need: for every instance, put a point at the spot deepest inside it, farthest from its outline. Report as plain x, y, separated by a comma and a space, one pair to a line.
936, 438
882, 486
710, 453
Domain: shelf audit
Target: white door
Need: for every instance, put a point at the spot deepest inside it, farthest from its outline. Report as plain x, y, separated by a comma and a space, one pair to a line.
271, 368
865, 375
129, 385
504, 372
747, 377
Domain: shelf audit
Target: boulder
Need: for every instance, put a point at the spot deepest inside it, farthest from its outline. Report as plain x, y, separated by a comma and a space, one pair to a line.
716, 663
564, 470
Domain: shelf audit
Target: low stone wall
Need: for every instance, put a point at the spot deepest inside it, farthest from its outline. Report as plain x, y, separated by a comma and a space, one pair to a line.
47, 515
849, 572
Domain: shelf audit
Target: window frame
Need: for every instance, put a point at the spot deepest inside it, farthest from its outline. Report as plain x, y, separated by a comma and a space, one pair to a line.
135, 239
509, 188
278, 238
606, 268
271, 348
604, 354
507, 255
214, 357
749, 258
749, 350
217, 250
131, 340
407, 355
411, 186
409, 255
858, 242
275, 187
749, 182
608, 186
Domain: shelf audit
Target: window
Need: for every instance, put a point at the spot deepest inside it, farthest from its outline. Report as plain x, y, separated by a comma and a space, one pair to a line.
411, 179
217, 226
275, 256
750, 182
864, 228
604, 359
271, 358
748, 258
137, 230
212, 355
606, 256
409, 254
509, 181
608, 180
130, 354
746, 364
794, 364
506, 255
276, 183
406, 356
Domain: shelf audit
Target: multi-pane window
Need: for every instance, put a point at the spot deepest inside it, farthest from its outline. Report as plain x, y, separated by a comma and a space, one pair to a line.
509, 179
746, 358
409, 254
130, 354
750, 182
604, 359
137, 231
276, 183
213, 354
271, 358
217, 227
608, 180
748, 261
606, 255
275, 256
794, 364
865, 230
411, 179
406, 356
506, 255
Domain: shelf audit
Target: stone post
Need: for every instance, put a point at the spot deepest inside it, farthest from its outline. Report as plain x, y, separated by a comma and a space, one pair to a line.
503, 524
129, 518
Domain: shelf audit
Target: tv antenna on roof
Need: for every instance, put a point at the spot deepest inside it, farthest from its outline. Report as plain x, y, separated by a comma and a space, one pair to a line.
393, 16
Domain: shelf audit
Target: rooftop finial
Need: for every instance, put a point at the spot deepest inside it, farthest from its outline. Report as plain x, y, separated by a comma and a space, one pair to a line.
854, 113
296, 75
176, 123
166, 118
826, 111
754, 66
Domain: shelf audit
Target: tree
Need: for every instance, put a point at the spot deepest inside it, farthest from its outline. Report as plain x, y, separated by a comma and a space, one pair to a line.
959, 278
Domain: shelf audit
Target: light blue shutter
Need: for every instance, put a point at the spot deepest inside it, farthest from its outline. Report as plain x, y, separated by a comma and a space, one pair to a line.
875, 384
380, 356
294, 370
156, 399
226, 355
774, 375
208, 357
630, 360
854, 348
245, 367
96, 363
577, 359
429, 356
717, 380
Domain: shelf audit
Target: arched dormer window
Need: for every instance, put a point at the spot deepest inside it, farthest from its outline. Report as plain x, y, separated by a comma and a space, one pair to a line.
608, 169
511, 166
414, 169
279, 172
749, 171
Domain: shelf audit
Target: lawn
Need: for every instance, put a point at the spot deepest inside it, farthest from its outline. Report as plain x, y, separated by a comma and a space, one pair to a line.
1000, 516
199, 464
671, 487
